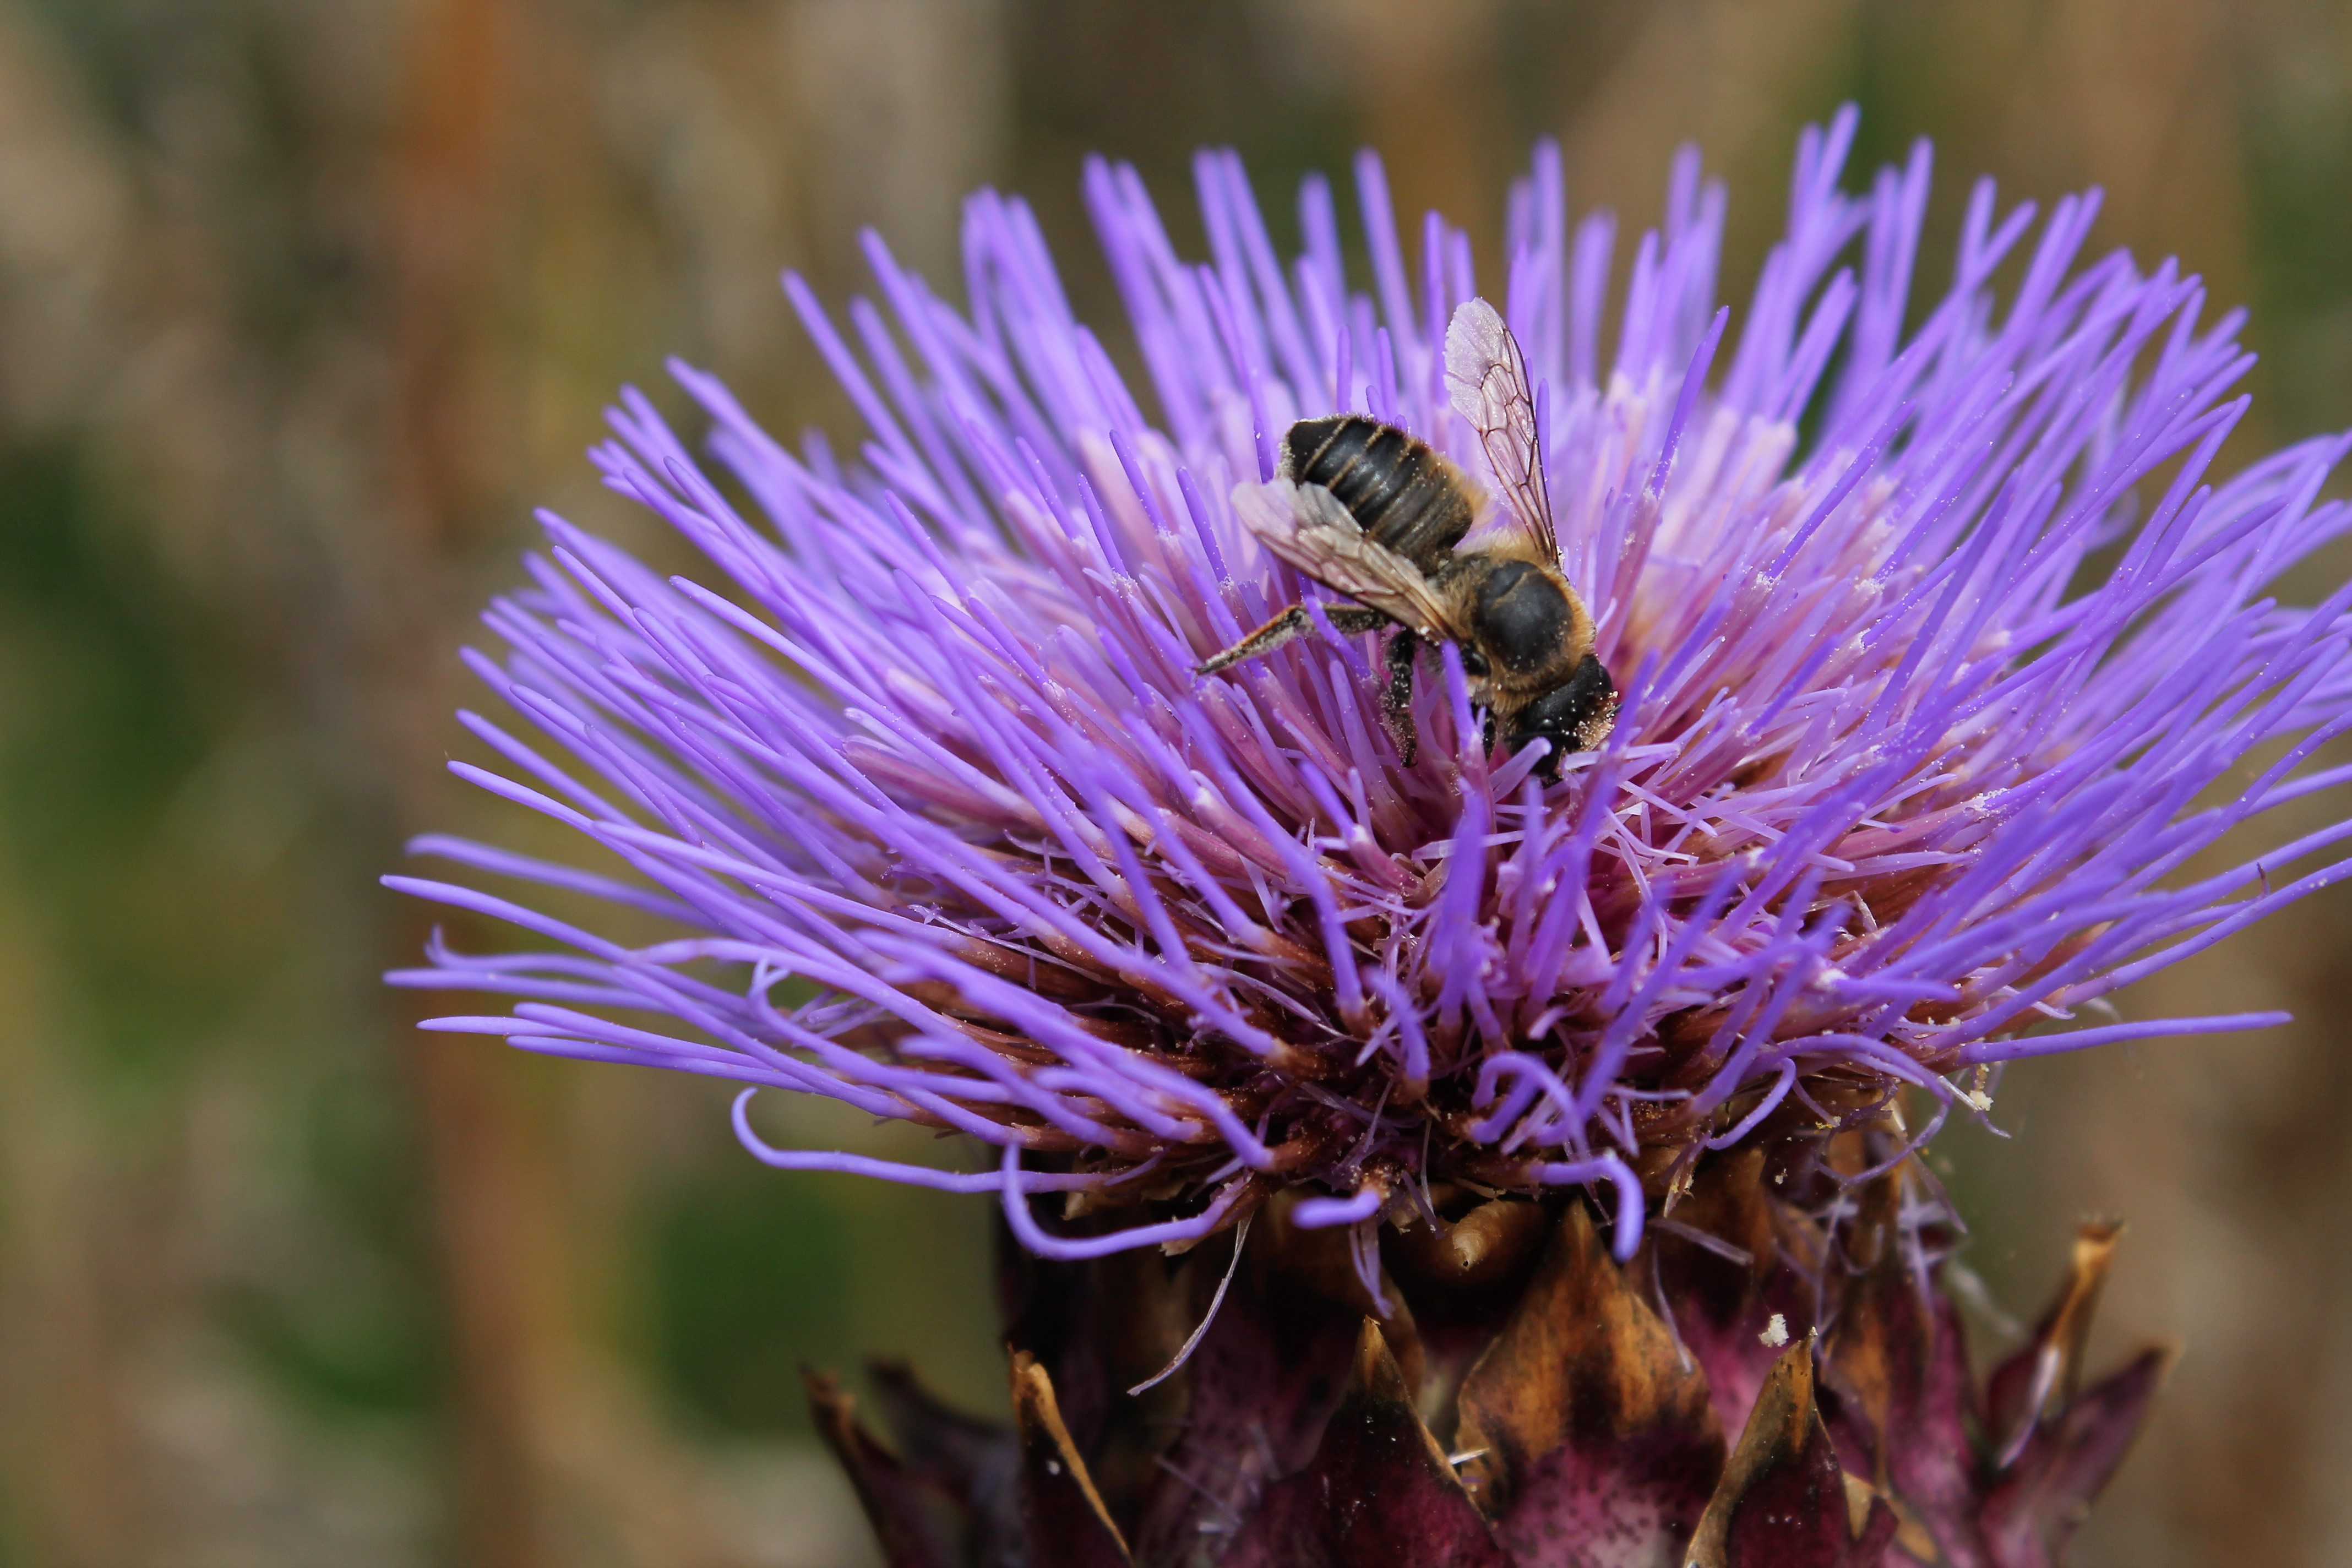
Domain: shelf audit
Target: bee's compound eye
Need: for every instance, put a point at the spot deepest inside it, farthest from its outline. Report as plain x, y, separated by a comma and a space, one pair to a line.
1553, 714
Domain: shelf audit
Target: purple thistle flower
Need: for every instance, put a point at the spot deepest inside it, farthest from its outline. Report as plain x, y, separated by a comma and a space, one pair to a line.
1929, 716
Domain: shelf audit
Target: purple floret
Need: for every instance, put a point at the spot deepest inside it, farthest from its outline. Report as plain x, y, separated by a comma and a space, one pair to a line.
1942, 661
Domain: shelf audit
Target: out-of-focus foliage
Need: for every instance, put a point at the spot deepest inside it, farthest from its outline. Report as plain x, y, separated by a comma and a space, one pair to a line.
304, 302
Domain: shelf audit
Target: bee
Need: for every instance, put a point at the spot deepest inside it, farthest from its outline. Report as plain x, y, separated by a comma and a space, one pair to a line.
1374, 512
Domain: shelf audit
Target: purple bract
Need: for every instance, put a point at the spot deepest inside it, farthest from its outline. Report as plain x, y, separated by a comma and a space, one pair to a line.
1930, 713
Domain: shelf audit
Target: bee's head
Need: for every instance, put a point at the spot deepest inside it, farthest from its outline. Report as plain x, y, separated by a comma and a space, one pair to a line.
1574, 716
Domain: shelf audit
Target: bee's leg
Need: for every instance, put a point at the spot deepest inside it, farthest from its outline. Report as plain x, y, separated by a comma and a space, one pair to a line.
1396, 702
1292, 623
1349, 620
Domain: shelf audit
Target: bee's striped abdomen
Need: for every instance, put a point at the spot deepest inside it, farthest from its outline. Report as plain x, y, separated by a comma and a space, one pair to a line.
1399, 491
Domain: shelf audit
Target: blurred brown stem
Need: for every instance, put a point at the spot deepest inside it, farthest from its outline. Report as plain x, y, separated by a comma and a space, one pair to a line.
445, 184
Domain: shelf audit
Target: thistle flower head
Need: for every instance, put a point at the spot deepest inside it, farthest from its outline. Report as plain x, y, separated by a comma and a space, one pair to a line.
1943, 663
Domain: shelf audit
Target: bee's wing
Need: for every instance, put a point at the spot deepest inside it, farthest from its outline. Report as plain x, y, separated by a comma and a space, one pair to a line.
1306, 526
1487, 377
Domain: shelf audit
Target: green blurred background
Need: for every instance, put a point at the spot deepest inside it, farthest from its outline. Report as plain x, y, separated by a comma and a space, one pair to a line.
304, 303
